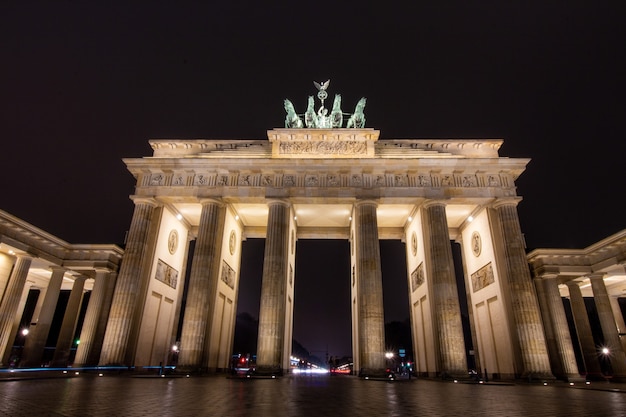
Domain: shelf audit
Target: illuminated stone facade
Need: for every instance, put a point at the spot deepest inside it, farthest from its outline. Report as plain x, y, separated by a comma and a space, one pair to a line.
322, 184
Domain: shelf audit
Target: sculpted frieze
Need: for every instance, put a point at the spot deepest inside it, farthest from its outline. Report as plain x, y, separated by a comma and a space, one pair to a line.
469, 181
289, 180
482, 278
493, 181
201, 179
417, 277
323, 147
178, 180
356, 180
312, 181
424, 181
400, 180
157, 179
246, 179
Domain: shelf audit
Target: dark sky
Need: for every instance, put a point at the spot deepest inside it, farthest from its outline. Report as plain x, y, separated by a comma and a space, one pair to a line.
84, 85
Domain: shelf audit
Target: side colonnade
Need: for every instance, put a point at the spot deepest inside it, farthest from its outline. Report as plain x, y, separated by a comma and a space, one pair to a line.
35, 262
597, 275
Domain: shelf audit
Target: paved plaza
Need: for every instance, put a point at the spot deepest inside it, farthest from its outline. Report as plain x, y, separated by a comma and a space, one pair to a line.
90, 395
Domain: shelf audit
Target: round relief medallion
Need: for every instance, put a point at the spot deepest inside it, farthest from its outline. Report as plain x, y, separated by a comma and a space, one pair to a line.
232, 242
414, 244
477, 244
172, 241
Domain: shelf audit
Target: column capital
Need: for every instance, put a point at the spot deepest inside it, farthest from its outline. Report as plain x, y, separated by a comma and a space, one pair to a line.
596, 275
364, 202
572, 283
432, 203
545, 276
144, 200
506, 201
80, 277
278, 201
58, 268
205, 201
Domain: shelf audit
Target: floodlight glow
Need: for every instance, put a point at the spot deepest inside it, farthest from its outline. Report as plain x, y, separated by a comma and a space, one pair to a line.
25, 332
179, 216
605, 351
470, 219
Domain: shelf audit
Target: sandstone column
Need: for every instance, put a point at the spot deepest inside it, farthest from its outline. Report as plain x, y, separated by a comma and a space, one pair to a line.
96, 345
583, 328
10, 304
128, 285
560, 328
370, 290
273, 287
203, 279
553, 350
36, 340
90, 323
527, 319
445, 307
68, 327
617, 356
619, 319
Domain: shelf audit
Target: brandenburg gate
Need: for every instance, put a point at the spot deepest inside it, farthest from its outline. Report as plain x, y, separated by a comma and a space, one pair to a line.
321, 178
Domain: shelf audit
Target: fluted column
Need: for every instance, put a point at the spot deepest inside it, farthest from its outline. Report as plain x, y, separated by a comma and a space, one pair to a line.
103, 318
560, 328
530, 333
9, 305
371, 322
609, 328
619, 319
273, 287
128, 284
446, 308
90, 323
202, 289
583, 329
551, 343
68, 326
36, 340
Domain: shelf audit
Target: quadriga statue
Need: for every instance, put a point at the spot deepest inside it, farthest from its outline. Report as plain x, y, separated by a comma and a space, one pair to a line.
292, 120
357, 120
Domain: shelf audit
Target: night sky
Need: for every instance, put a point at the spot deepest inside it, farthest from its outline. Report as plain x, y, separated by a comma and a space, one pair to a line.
85, 85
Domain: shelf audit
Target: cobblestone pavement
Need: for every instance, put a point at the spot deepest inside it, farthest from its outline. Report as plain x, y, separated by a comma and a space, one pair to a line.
90, 395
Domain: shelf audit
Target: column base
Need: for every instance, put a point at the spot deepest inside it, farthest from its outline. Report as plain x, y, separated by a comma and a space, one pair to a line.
192, 370
376, 374
266, 371
538, 376
575, 378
